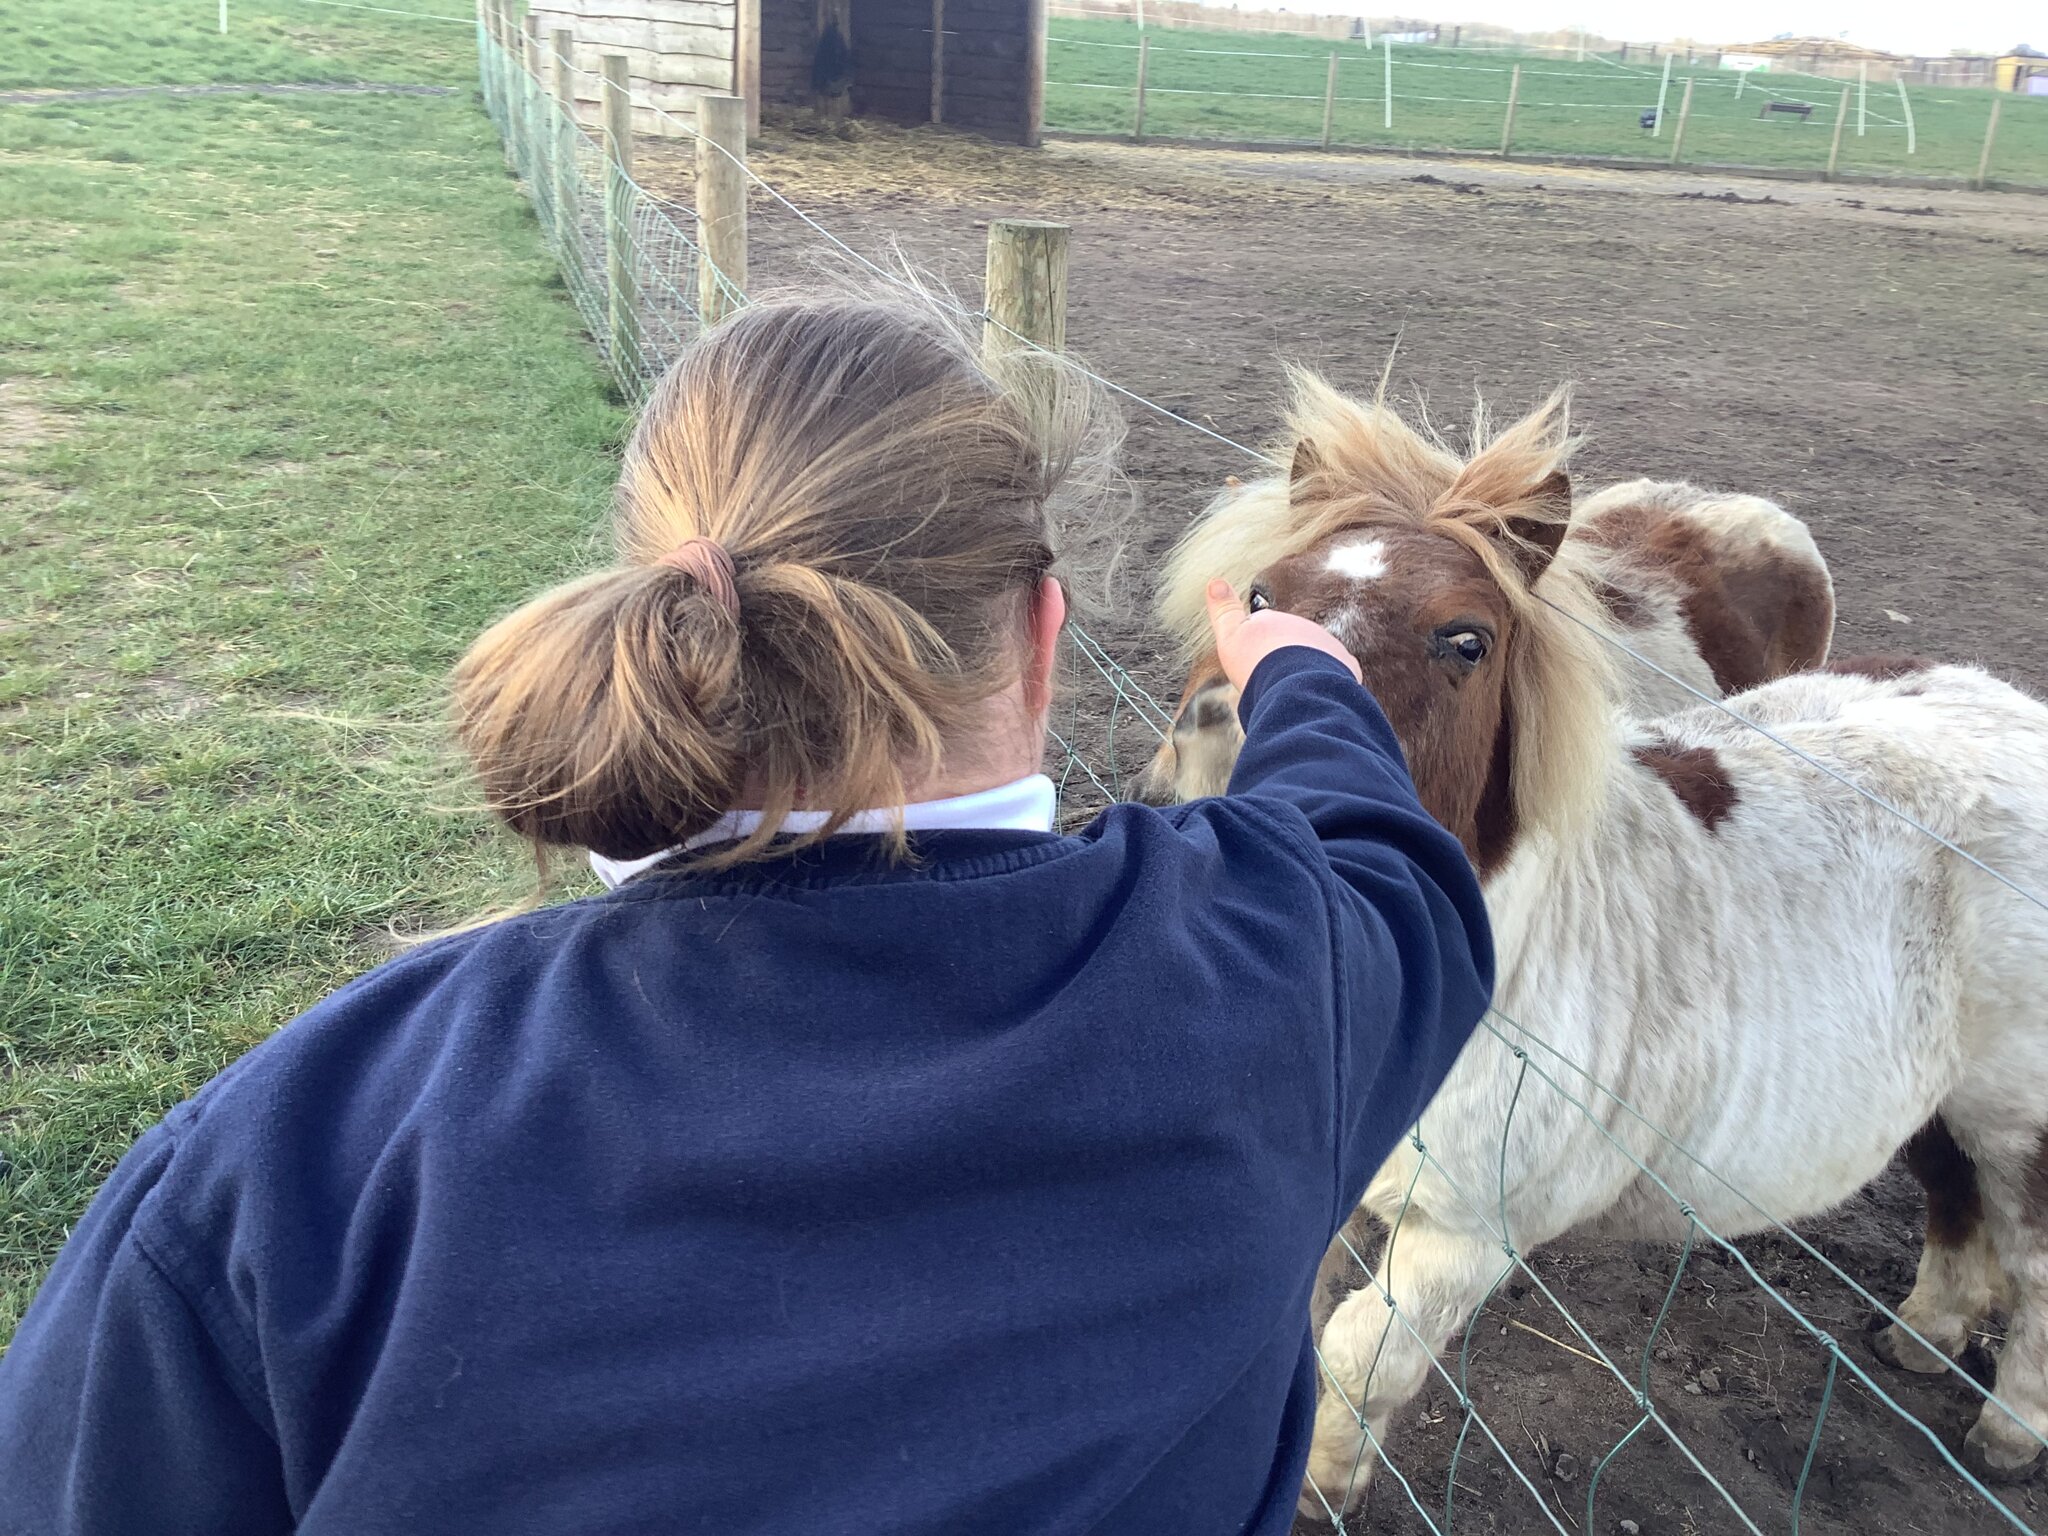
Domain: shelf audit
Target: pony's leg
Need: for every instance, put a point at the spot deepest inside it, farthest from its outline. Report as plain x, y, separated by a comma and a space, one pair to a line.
1196, 760
1374, 1361
1953, 1291
2006, 1442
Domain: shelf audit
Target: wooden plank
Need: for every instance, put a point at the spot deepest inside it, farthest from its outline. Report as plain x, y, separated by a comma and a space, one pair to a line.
673, 95
689, 12
684, 69
938, 61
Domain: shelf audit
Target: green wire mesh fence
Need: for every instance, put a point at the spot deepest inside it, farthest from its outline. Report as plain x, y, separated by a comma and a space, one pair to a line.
591, 214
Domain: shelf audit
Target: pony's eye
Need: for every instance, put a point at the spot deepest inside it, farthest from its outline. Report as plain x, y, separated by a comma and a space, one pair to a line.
1258, 600
1469, 646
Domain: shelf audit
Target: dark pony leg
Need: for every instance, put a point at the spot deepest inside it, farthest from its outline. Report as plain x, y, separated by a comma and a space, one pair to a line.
1959, 1275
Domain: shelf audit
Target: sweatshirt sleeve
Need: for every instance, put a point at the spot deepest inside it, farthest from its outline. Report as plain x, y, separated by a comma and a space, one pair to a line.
119, 1411
1412, 947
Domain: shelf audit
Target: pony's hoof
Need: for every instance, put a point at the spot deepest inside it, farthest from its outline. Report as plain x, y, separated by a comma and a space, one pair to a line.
1900, 1350
1984, 1457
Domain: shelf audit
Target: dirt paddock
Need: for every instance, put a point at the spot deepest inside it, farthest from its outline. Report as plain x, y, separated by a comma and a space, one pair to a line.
1875, 360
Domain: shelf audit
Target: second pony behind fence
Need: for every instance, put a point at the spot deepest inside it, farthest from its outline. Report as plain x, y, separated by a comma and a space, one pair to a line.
1789, 979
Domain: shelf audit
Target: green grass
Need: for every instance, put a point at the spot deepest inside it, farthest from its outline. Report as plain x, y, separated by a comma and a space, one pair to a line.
1261, 87
290, 406
178, 42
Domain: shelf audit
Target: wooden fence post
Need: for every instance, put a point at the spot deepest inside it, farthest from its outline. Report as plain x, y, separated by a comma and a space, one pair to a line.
1026, 286
508, 82
1138, 117
1034, 73
938, 61
540, 160
484, 82
1387, 49
1841, 122
1507, 127
1990, 135
568, 200
721, 206
1663, 89
622, 298
522, 103
1329, 99
1684, 111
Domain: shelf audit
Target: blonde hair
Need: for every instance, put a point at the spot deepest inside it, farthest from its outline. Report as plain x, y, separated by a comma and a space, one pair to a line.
1358, 461
885, 497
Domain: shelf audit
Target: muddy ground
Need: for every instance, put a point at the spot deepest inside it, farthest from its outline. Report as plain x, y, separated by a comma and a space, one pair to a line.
1875, 360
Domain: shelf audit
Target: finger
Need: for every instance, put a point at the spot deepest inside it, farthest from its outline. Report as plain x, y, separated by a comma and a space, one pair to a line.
1226, 614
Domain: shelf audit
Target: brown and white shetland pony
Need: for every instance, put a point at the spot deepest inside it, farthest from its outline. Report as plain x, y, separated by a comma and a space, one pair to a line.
1788, 979
1722, 592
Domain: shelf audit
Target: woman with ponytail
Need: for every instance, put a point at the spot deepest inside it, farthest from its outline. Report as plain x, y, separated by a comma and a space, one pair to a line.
871, 1157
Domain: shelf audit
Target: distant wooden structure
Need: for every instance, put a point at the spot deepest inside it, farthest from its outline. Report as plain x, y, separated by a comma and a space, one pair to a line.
975, 64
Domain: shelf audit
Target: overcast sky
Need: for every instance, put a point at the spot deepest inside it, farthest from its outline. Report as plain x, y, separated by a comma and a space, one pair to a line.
1982, 26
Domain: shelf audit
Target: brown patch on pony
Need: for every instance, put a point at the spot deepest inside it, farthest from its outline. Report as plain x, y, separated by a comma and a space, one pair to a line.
1754, 615
1880, 668
1494, 824
1624, 607
1694, 774
1955, 1207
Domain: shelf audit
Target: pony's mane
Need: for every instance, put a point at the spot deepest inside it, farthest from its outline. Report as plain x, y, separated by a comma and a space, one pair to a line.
1352, 461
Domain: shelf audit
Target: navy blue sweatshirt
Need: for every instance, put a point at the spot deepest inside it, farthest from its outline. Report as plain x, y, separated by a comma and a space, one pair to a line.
983, 1192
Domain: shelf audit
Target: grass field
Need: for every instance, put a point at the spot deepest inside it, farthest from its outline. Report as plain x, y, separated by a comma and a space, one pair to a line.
1262, 87
290, 406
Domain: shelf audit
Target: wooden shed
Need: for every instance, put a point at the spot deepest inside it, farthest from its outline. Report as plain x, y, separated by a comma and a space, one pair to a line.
976, 64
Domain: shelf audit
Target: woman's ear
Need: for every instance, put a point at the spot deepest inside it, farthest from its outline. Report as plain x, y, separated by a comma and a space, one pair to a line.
1047, 617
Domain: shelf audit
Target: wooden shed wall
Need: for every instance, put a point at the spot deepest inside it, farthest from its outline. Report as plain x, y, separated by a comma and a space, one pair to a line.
676, 51
989, 87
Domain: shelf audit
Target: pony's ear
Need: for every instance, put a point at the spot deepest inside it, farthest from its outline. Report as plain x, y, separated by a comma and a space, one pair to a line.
1308, 460
1537, 526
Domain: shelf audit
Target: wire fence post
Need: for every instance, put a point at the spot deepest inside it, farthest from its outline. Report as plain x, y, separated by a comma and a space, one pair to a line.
938, 61
622, 300
1906, 107
1329, 98
1026, 286
1841, 122
1678, 129
1138, 115
721, 206
1663, 88
1862, 96
1507, 127
567, 203
1990, 137
1387, 52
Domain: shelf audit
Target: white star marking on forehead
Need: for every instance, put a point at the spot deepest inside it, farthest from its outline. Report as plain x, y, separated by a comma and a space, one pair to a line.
1365, 560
